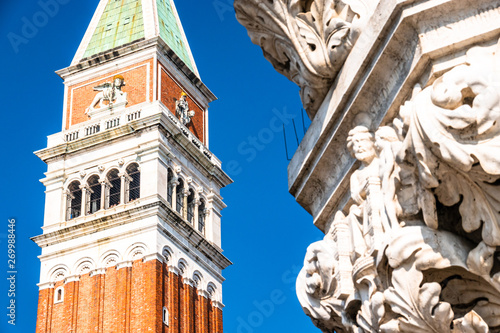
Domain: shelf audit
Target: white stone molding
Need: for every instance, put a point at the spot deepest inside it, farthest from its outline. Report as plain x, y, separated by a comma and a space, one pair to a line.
121, 162
109, 259
83, 173
189, 282
136, 251
417, 250
183, 267
46, 285
153, 256
98, 271
72, 278
218, 305
168, 254
124, 264
84, 266
58, 273
212, 291
307, 41
175, 270
197, 279
203, 293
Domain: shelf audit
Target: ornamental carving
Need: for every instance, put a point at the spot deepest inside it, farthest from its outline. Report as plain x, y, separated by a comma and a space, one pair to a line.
417, 251
305, 40
182, 110
110, 92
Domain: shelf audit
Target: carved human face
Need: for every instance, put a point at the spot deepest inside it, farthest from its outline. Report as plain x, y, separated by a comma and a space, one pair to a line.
363, 147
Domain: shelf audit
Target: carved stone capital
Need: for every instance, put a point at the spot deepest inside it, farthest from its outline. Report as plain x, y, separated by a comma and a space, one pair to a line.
307, 41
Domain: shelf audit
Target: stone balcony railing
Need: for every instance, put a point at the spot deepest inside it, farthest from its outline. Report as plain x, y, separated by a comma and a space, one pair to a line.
124, 117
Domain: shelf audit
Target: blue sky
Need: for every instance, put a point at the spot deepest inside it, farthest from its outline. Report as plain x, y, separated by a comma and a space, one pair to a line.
265, 232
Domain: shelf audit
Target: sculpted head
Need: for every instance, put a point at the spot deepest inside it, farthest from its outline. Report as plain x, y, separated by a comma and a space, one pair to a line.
384, 135
361, 144
119, 81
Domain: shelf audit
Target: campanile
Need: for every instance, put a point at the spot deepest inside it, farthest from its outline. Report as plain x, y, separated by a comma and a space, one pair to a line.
131, 236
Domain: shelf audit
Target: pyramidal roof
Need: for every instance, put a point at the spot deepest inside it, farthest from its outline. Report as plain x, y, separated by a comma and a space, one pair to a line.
120, 22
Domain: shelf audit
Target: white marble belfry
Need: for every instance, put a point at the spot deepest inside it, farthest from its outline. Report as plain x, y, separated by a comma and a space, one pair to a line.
400, 167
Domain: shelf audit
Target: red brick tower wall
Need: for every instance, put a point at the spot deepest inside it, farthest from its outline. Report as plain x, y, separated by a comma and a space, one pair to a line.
139, 87
170, 90
128, 300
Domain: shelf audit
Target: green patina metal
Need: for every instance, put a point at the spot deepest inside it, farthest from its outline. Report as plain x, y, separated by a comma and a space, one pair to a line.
170, 31
120, 24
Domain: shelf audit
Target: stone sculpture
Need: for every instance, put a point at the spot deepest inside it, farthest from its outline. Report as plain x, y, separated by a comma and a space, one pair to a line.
110, 92
423, 230
307, 41
182, 110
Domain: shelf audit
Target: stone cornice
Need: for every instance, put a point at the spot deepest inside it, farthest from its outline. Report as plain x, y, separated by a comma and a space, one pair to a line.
134, 127
157, 208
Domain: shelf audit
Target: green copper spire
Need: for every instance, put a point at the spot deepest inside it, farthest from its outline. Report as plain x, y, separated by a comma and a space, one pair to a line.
170, 31
121, 23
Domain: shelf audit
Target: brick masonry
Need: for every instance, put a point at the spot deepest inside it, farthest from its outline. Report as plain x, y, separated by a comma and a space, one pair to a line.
139, 89
170, 90
80, 95
128, 300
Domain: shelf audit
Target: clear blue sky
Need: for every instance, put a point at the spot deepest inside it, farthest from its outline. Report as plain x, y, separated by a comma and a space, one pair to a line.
265, 232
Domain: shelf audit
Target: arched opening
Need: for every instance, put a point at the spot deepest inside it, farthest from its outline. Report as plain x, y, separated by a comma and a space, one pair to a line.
74, 203
114, 182
94, 197
190, 206
201, 216
170, 186
59, 295
165, 316
179, 200
134, 187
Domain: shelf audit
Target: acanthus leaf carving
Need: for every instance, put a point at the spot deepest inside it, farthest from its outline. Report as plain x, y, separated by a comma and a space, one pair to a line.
453, 130
307, 41
423, 228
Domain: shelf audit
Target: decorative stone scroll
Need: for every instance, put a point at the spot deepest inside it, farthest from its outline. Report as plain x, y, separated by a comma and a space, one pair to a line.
418, 250
307, 41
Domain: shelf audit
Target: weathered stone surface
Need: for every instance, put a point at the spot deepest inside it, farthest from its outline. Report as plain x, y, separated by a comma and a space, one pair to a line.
401, 170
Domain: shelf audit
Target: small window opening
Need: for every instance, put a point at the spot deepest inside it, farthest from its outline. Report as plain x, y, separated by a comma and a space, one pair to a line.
115, 188
59, 295
201, 216
109, 27
180, 196
74, 200
165, 316
134, 191
126, 20
95, 194
170, 186
190, 207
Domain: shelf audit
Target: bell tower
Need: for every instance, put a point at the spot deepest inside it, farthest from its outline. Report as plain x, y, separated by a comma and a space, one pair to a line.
131, 237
